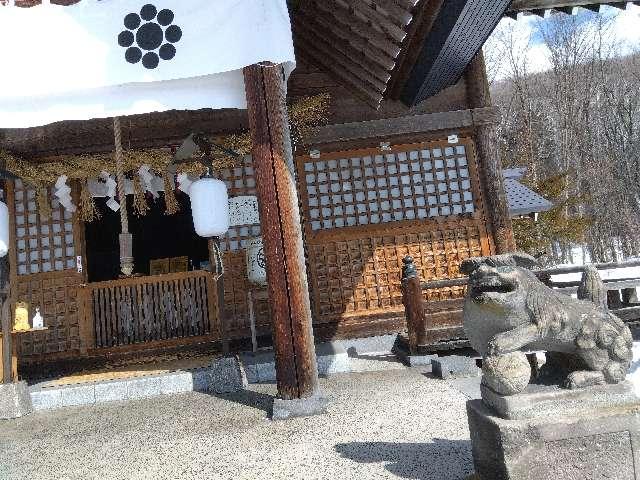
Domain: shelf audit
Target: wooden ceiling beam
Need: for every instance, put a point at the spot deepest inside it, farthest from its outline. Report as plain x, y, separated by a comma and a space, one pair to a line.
153, 130
400, 16
333, 57
407, 4
376, 75
343, 17
358, 43
353, 82
377, 19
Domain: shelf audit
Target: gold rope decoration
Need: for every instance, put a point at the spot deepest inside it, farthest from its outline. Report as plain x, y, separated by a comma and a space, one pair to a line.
44, 205
169, 196
87, 208
140, 205
304, 117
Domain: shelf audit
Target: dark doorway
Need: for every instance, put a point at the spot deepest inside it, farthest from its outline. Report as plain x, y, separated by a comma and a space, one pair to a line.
155, 235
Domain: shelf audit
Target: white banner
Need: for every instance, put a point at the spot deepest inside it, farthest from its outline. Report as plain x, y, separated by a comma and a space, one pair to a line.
104, 58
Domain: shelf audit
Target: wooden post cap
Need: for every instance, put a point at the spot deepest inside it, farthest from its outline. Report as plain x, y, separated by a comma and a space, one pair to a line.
409, 268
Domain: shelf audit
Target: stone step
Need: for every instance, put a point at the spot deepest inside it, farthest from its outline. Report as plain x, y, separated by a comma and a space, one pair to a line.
223, 376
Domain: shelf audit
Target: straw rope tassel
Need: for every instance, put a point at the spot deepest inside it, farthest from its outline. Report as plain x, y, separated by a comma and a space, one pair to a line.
126, 239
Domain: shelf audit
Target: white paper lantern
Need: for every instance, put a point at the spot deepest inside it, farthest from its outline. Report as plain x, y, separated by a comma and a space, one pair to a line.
210, 207
4, 229
256, 262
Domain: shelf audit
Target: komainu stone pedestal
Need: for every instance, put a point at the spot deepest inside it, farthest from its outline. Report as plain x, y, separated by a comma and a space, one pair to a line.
549, 433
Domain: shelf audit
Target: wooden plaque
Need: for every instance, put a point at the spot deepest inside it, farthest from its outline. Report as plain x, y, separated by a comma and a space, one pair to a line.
179, 264
160, 266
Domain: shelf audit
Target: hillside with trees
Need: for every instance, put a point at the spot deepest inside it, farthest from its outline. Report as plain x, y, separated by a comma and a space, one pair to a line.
576, 127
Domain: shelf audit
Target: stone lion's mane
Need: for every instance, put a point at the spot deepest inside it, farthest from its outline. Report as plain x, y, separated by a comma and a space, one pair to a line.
546, 307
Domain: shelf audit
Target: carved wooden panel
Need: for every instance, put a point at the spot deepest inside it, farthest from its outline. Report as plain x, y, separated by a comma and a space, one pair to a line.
362, 275
55, 294
236, 286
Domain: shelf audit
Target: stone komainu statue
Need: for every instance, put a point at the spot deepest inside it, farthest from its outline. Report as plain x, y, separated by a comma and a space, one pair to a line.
508, 309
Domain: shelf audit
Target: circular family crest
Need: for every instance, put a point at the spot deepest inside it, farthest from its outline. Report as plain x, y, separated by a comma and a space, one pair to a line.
149, 36
261, 259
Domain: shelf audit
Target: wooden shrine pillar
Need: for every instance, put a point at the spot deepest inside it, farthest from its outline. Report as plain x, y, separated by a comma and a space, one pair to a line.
490, 165
296, 368
7, 366
7, 357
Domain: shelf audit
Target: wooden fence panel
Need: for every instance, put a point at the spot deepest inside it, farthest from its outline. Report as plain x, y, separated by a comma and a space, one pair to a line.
148, 309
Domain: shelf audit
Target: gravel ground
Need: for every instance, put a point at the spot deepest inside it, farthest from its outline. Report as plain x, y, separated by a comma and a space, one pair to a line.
390, 424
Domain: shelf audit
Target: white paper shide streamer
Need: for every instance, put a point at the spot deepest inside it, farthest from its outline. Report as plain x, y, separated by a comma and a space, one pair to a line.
63, 193
147, 179
184, 183
111, 191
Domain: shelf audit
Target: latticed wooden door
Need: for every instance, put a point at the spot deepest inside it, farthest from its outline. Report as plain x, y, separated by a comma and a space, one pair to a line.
44, 256
365, 210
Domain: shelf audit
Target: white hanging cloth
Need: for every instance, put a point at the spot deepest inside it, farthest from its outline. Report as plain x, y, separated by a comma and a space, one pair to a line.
105, 58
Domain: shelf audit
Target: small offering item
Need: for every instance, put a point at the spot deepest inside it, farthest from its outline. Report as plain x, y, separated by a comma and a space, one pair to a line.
37, 321
21, 323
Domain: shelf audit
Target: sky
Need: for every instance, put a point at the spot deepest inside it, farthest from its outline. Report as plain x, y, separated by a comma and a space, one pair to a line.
625, 27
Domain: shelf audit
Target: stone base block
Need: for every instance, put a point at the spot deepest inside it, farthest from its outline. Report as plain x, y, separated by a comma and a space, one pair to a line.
600, 444
455, 366
15, 401
225, 375
413, 360
303, 407
539, 401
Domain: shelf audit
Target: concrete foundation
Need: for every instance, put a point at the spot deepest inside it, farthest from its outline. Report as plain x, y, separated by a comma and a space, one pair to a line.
261, 367
592, 433
15, 401
303, 407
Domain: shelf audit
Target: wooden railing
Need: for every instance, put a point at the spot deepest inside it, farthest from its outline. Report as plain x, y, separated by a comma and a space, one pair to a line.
432, 327
147, 309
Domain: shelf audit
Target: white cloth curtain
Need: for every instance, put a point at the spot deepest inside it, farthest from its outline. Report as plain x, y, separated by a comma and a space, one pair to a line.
104, 58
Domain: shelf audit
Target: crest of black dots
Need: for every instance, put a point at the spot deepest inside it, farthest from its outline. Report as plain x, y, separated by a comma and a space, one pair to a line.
150, 36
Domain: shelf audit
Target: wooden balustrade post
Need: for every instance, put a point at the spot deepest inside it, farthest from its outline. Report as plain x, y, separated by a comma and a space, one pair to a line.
296, 367
413, 306
490, 166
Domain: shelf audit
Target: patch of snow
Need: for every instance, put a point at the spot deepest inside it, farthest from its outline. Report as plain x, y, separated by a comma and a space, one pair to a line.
634, 372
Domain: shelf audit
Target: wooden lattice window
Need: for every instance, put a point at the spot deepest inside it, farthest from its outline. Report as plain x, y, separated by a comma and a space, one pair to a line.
42, 244
388, 187
240, 181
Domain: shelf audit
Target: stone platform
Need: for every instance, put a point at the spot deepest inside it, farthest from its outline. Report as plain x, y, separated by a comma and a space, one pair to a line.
552, 433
